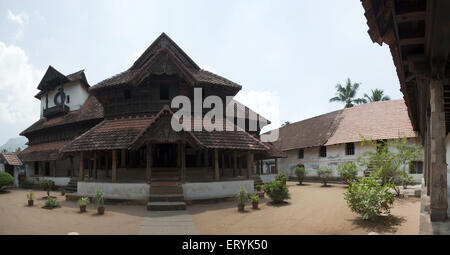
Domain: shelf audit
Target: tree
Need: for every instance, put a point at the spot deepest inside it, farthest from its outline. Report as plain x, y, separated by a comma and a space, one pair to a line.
285, 123
4, 151
347, 171
390, 165
5, 179
18, 149
347, 93
324, 174
377, 95
300, 172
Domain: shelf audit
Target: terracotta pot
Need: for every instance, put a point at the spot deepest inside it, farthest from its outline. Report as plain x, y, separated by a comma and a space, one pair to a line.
63, 193
82, 208
241, 208
30, 202
255, 205
101, 210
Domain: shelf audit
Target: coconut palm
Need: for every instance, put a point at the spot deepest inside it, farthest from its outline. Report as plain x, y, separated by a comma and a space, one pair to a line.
347, 93
377, 95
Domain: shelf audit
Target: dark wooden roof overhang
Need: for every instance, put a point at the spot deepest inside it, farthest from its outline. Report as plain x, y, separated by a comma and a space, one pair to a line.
418, 34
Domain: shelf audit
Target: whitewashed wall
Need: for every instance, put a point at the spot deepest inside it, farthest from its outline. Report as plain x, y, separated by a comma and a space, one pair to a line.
207, 190
132, 191
78, 95
335, 156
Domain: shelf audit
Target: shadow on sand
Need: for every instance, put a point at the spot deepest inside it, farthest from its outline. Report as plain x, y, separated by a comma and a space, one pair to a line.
385, 223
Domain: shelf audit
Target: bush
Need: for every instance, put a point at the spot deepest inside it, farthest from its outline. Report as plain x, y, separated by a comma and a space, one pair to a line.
277, 191
5, 179
300, 172
254, 198
51, 203
406, 179
30, 196
26, 184
324, 174
47, 185
242, 196
368, 198
347, 171
98, 199
83, 201
281, 177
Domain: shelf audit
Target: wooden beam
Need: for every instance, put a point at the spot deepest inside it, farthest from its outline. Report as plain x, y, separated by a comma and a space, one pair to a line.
95, 165
54, 168
149, 162
206, 159
410, 41
216, 164
122, 158
276, 165
81, 169
411, 16
249, 164
234, 163
114, 166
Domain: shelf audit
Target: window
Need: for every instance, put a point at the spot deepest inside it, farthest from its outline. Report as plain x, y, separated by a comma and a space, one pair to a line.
164, 92
322, 151
127, 94
47, 169
36, 168
301, 153
68, 99
416, 167
349, 149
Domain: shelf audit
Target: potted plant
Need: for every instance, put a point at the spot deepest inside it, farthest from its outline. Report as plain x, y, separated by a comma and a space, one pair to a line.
324, 174
281, 177
255, 200
30, 197
99, 201
300, 172
258, 187
51, 203
63, 192
83, 202
242, 198
47, 185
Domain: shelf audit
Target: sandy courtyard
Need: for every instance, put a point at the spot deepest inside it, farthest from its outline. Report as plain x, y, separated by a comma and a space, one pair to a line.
312, 209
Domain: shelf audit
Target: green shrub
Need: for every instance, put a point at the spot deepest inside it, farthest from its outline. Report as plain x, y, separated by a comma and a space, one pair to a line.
242, 196
5, 179
324, 174
281, 177
51, 202
277, 191
368, 198
30, 196
83, 201
254, 198
406, 179
99, 199
347, 171
300, 172
47, 185
26, 184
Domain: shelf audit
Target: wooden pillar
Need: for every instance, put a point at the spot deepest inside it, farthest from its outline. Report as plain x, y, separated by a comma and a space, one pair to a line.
257, 166
438, 177
81, 170
216, 164
114, 166
123, 158
95, 165
206, 157
149, 162
198, 158
262, 167
183, 162
234, 163
54, 168
223, 162
249, 164
276, 165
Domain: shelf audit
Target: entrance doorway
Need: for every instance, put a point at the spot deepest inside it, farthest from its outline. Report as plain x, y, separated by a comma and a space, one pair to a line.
165, 155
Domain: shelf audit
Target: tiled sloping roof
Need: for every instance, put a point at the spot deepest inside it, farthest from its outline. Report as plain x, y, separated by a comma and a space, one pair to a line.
238, 140
43, 151
163, 44
273, 151
11, 159
76, 76
379, 120
91, 109
109, 134
307, 133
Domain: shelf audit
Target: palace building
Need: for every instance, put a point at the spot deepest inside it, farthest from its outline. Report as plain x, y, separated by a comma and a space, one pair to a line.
117, 134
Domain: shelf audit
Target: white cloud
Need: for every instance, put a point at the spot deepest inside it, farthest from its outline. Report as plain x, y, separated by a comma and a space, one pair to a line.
18, 82
265, 103
20, 20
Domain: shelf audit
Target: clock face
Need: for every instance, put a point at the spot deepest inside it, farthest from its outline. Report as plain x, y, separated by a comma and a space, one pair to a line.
59, 98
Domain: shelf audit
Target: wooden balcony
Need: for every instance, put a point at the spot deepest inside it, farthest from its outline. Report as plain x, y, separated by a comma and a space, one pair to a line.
56, 110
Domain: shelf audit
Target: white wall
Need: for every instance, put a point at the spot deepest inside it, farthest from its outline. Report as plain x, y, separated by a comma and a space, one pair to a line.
77, 92
133, 191
207, 190
335, 156
59, 181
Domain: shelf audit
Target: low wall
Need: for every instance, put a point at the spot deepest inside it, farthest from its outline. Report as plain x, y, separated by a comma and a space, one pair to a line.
208, 190
59, 181
267, 178
115, 190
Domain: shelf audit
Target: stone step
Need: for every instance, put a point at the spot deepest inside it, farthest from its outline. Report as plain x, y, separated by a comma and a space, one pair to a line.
166, 206
166, 198
165, 190
162, 179
165, 184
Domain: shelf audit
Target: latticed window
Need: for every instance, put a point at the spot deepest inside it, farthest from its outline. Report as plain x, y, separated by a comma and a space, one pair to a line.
349, 149
322, 151
416, 167
301, 153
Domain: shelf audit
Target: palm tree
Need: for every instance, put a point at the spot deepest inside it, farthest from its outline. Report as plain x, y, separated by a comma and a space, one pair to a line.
347, 94
377, 95
285, 123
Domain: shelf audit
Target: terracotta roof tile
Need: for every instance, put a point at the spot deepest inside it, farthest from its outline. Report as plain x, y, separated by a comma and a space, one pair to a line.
11, 159
43, 151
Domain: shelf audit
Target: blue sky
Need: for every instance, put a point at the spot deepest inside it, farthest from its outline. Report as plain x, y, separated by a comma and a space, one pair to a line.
293, 52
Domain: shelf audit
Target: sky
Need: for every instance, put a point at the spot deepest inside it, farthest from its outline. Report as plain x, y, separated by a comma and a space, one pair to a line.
287, 55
